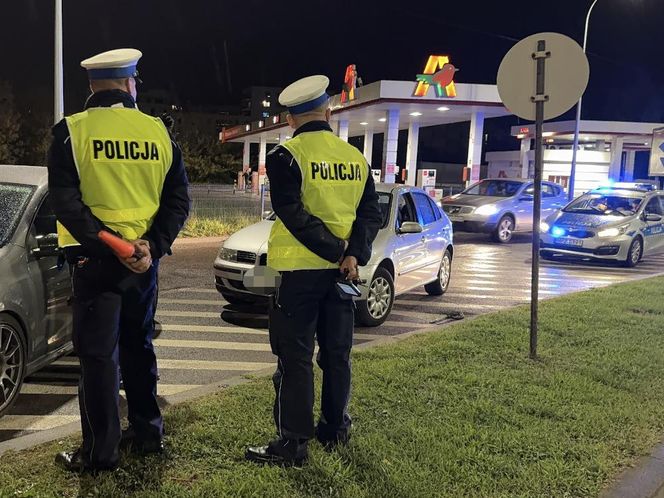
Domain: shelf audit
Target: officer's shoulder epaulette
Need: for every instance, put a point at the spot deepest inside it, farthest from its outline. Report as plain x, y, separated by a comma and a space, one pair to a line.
282, 155
60, 130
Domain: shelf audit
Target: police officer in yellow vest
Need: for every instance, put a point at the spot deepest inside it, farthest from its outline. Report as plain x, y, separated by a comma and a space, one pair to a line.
328, 216
113, 168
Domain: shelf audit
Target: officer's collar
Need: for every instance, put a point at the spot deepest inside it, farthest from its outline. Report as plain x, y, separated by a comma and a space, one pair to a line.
313, 126
110, 98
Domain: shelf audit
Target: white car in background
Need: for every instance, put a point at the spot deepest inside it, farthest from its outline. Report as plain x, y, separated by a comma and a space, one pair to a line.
413, 249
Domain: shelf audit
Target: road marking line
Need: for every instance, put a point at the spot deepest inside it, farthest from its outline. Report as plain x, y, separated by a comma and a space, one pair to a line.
188, 314
35, 422
235, 330
168, 364
194, 289
49, 389
195, 302
172, 327
230, 346
170, 389
30, 388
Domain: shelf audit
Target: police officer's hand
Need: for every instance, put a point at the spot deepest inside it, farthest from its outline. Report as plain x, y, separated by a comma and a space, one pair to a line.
143, 264
349, 267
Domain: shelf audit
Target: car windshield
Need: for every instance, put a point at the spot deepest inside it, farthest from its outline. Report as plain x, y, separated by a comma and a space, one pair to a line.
494, 188
13, 199
605, 205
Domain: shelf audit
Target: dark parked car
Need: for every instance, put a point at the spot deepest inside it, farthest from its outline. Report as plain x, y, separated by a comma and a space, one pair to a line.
35, 316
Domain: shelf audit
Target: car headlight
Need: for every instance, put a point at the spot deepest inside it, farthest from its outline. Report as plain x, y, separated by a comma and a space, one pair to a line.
487, 210
612, 232
544, 226
228, 254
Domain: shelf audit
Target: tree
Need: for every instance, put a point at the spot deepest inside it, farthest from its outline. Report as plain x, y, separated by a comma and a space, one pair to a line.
207, 159
9, 126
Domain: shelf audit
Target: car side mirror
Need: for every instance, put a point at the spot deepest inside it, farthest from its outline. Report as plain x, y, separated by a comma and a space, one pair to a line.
410, 227
526, 198
653, 217
47, 245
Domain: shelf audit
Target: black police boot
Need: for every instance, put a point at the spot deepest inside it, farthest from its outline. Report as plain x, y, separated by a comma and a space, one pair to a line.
75, 462
330, 440
283, 452
130, 440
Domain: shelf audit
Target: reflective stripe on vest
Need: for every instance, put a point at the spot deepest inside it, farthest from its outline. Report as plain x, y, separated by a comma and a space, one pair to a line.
122, 157
334, 174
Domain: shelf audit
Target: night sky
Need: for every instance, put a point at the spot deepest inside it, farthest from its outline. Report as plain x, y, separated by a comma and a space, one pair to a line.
275, 42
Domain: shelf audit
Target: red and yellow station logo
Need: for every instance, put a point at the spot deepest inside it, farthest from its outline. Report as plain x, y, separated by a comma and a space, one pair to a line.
439, 73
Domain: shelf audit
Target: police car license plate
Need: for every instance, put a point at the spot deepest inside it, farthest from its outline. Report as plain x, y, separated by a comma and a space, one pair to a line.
571, 242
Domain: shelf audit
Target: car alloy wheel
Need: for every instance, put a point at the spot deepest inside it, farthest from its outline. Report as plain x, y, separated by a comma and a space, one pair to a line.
380, 298
635, 253
11, 363
439, 286
505, 229
445, 270
373, 311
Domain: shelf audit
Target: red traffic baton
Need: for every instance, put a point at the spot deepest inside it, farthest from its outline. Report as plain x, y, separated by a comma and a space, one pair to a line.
120, 247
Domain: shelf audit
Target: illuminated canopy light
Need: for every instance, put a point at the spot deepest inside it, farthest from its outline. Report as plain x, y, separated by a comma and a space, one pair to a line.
364, 123
382, 120
415, 113
443, 109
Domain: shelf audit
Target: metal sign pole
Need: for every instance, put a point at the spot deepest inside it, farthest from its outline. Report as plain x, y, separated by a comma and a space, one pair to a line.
58, 91
556, 91
539, 99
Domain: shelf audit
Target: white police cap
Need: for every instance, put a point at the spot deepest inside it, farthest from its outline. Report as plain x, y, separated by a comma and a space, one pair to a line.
114, 64
306, 94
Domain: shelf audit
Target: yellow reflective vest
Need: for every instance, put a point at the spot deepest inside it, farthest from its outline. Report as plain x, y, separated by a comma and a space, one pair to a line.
122, 157
334, 174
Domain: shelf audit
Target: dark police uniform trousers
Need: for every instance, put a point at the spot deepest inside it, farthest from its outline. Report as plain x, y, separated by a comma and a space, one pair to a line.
307, 307
113, 312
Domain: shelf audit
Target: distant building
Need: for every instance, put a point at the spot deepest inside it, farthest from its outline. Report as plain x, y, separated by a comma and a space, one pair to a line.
261, 102
208, 120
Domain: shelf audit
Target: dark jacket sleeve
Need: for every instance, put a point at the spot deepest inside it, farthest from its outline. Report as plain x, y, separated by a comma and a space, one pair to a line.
367, 223
285, 191
66, 198
173, 208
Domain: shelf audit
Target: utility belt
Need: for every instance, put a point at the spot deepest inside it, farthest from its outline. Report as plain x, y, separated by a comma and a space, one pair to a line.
73, 254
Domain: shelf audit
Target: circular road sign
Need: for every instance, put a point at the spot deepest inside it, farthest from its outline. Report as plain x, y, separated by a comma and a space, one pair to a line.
566, 76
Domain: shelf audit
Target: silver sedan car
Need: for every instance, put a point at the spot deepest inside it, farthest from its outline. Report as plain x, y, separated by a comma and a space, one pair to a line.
621, 224
501, 206
412, 249
35, 316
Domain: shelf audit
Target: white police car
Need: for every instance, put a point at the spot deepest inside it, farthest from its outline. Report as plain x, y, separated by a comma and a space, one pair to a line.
620, 223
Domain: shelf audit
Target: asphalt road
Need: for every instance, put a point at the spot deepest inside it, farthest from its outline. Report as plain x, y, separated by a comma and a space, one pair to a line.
196, 347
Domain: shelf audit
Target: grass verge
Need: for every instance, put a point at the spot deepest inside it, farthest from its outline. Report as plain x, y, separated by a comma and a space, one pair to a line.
457, 413
197, 226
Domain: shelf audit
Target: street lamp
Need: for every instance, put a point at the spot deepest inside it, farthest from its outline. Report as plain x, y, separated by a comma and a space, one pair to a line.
570, 186
58, 96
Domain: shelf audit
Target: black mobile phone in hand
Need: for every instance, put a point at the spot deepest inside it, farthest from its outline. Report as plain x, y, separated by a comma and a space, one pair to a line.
347, 289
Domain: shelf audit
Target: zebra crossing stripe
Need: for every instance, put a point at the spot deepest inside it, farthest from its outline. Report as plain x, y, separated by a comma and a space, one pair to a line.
169, 364
35, 422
